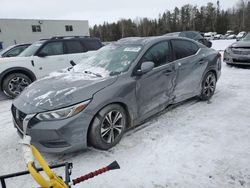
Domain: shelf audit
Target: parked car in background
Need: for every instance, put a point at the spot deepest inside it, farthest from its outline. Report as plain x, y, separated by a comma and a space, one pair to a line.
218, 36
229, 32
195, 35
41, 58
239, 52
233, 36
210, 35
118, 87
241, 35
14, 50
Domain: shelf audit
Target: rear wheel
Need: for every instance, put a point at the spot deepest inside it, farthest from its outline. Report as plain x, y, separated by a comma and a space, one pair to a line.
108, 127
208, 86
15, 83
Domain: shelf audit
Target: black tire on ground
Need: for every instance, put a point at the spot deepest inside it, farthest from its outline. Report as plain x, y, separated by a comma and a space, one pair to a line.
107, 127
14, 84
208, 86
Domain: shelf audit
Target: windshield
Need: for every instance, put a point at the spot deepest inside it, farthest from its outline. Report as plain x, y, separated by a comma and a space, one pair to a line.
31, 50
5, 50
109, 60
247, 37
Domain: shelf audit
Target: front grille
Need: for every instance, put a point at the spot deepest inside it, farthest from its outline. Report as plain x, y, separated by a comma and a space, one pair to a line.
241, 60
241, 51
18, 117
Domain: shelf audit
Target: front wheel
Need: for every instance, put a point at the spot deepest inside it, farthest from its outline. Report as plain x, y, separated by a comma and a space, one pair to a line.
208, 86
15, 83
108, 127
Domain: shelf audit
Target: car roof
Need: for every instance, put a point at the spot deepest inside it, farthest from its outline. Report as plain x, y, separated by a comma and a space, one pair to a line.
88, 38
143, 41
195, 35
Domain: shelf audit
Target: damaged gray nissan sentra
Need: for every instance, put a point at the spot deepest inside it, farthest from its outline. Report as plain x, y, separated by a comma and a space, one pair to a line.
117, 87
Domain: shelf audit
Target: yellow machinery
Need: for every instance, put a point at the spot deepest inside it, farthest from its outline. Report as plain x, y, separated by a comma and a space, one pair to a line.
31, 154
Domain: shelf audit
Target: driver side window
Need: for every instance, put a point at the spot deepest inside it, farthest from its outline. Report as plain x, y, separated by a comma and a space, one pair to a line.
160, 54
53, 48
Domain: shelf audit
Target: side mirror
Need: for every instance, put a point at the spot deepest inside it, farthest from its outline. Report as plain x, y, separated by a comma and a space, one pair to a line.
145, 67
72, 63
42, 54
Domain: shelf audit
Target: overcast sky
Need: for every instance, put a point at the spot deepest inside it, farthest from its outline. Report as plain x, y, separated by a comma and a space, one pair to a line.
96, 11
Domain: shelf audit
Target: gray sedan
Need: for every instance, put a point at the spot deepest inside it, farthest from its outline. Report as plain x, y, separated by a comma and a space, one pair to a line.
117, 87
239, 52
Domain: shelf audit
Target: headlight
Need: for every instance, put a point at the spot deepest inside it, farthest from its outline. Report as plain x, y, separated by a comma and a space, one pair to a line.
62, 113
228, 50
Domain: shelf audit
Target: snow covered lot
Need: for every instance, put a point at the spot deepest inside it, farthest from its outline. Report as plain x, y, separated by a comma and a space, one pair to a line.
197, 144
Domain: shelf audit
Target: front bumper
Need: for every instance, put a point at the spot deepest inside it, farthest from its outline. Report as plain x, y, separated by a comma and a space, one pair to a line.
60, 136
236, 59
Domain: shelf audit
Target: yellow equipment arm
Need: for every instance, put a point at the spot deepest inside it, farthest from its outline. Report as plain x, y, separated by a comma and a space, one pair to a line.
53, 182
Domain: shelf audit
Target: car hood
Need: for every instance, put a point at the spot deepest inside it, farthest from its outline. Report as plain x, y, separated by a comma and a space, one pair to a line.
60, 90
241, 44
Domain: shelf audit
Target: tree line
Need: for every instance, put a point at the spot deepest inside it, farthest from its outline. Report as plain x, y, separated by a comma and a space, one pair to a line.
204, 19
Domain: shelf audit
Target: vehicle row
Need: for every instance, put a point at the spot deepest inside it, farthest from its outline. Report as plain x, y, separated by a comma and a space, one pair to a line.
229, 35
96, 96
115, 88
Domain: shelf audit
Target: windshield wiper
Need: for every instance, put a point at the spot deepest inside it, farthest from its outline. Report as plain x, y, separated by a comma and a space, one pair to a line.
96, 74
113, 73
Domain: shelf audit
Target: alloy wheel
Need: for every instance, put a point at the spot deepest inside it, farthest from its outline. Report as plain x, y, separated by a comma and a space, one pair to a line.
209, 85
17, 84
112, 126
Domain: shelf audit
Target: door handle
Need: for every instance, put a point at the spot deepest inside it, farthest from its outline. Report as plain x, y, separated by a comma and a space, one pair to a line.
32, 63
167, 72
201, 61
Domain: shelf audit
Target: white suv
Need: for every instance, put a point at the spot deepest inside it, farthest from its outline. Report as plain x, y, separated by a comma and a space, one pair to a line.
41, 58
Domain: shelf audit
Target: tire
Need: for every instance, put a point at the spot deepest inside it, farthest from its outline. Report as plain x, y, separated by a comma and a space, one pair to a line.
100, 133
14, 84
208, 86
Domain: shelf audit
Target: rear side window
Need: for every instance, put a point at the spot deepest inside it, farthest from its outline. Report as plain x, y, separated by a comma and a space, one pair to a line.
160, 54
53, 48
184, 48
74, 47
92, 44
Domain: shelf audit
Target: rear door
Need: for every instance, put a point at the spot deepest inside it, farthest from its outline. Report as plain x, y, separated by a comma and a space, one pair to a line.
190, 64
92, 44
54, 60
75, 50
154, 89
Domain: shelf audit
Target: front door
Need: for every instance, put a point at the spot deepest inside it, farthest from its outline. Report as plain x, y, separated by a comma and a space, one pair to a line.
154, 89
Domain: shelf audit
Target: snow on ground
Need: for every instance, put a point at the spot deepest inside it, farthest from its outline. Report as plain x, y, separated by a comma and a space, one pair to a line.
197, 144
221, 45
